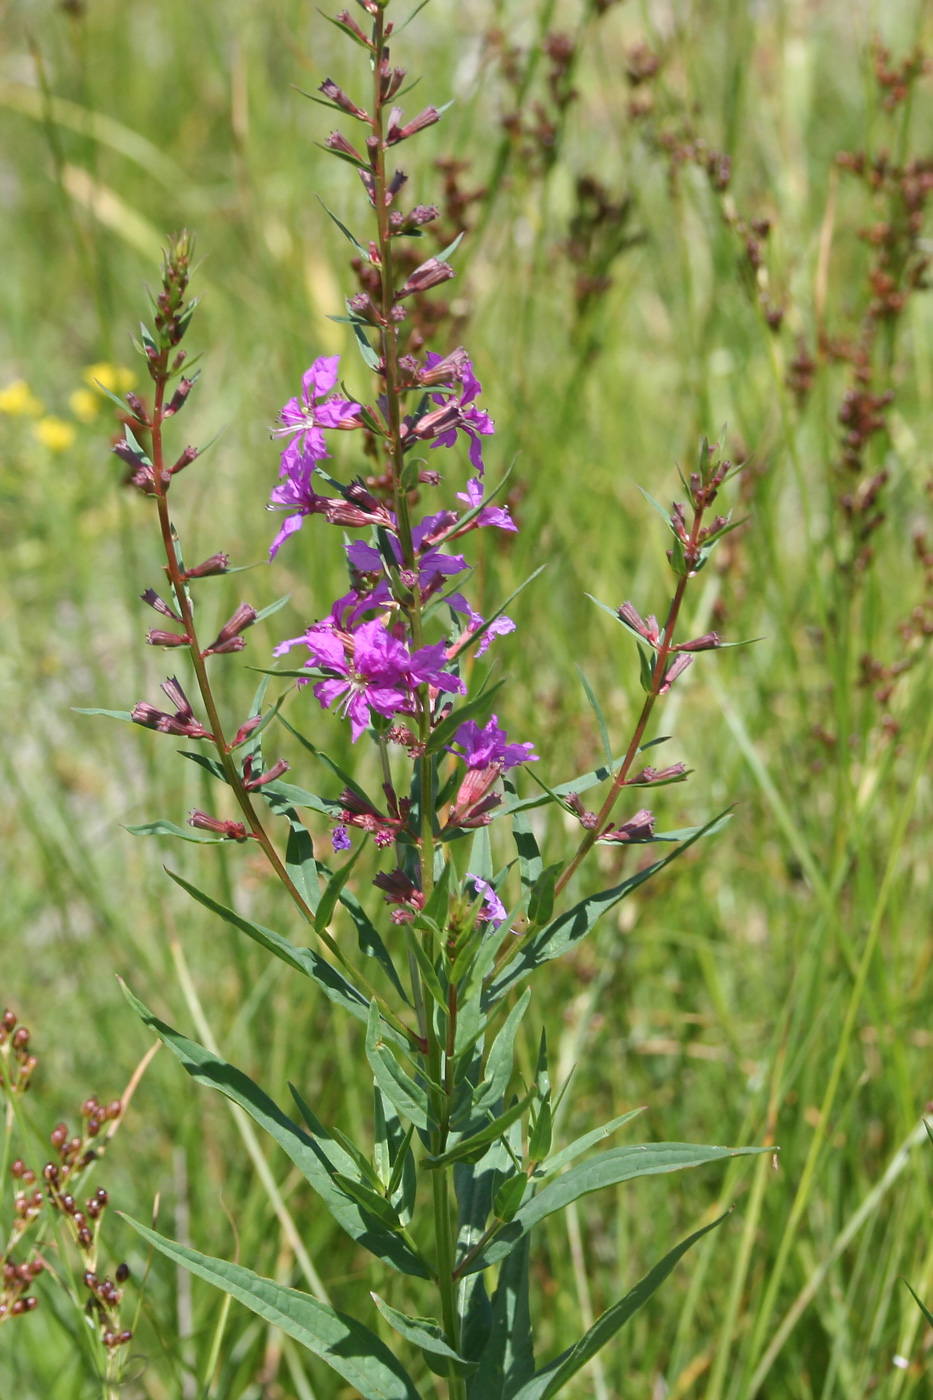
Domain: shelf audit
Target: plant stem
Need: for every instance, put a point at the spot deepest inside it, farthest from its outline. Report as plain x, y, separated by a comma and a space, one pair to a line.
657, 678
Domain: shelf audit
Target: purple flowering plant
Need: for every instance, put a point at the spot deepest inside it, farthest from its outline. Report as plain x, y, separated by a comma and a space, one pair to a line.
461, 1166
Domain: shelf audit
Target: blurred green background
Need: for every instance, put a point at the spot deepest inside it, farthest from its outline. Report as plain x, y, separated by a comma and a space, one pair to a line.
774, 986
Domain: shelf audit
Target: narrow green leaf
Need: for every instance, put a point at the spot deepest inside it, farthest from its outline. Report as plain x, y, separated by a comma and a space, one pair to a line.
349, 1348
308, 1155
203, 760
530, 861
371, 1200
554, 1377
409, 1098
646, 669
363, 252
469, 1149
429, 975
425, 1333
451, 247
597, 711
335, 768
165, 828
566, 1155
334, 889
370, 941
541, 899
272, 608
480, 862
922, 1306
370, 358
333, 984
509, 1197
607, 1169
664, 514
570, 928
507, 1360
95, 710
561, 790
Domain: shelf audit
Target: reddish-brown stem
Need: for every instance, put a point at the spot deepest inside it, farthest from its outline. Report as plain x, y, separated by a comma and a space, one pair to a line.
657, 677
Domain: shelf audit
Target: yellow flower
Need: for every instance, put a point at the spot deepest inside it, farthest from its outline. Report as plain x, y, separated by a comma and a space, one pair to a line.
57, 434
84, 405
17, 398
116, 378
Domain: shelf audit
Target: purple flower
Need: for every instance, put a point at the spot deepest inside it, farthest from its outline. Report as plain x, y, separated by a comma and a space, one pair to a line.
297, 494
340, 839
432, 564
499, 627
372, 670
489, 747
493, 911
312, 412
443, 422
489, 515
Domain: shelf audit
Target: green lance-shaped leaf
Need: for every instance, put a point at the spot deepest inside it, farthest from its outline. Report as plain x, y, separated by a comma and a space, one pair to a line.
347, 1346
309, 1156
539, 1136
469, 1149
370, 942
333, 984
474, 1184
165, 828
334, 890
541, 899
554, 1377
597, 711
530, 862
498, 1071
408, 1098
508, 1359
96, 710
563, 790
575, 1149
920, 1304
570, 928
427, 1334
607, 1169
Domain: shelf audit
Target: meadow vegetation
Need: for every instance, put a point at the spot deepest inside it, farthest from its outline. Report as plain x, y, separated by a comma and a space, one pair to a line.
705, 218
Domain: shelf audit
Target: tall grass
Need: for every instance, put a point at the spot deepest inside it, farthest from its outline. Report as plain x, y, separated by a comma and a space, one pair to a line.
783, 994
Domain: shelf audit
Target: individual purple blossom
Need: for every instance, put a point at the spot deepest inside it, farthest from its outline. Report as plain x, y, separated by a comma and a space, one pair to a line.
492, 911
310, 414
373, 670
340, 839
498, 516
297, 494
440, 426
432, 565
488, 747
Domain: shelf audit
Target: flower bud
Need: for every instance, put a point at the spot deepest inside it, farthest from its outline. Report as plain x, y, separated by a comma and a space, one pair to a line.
155, 637
234, 831
429, 274
216, 564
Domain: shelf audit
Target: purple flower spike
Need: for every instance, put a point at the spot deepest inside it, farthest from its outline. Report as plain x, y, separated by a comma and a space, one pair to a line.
313, 411
489, 747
